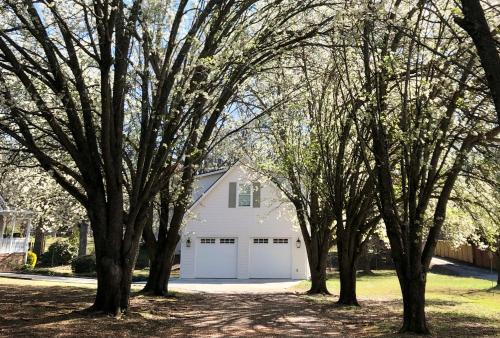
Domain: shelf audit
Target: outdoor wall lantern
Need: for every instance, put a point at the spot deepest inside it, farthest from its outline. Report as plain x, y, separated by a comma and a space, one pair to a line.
298, 243
188, 242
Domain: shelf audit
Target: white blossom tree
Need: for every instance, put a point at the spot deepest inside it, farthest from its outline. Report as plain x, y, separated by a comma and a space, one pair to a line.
114, 97
311, 148
53, 209
426, 115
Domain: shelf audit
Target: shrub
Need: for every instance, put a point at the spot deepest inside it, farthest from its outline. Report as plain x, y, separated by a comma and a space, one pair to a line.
31, 260
83, 264
59, 253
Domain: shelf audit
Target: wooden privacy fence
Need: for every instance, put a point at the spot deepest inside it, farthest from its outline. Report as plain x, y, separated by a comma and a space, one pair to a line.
466, 253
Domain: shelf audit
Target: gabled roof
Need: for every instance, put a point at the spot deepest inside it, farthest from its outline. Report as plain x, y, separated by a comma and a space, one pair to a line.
214, 184
213, 172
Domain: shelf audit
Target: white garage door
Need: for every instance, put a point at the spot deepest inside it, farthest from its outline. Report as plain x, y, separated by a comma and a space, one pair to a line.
216, 257
270, 258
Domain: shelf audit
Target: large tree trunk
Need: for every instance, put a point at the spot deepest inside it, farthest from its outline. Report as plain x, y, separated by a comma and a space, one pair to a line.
39, 245
347, 269
413, 290
317, 266
161, 267
318, 282
317, 252
109, 281
128, 265
83, 235
162, 251
349, 247
116, 253
114, 277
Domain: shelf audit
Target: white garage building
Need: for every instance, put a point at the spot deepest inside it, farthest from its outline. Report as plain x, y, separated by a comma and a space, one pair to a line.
240, 226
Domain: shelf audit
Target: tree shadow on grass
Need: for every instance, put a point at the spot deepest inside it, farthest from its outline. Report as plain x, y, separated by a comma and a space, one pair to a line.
452, 324
334, 274
49, 311
445, 322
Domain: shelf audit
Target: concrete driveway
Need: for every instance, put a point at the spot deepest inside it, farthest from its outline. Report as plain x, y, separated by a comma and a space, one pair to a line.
449, 267
233, 285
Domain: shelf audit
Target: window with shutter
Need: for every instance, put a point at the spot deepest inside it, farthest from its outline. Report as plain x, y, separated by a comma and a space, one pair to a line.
245, 195
256, 194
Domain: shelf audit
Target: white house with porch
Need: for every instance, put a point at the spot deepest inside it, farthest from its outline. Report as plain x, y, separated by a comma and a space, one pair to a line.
15, 228
241, 226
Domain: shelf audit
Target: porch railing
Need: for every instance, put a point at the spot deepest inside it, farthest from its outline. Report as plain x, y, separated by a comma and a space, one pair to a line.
12, 245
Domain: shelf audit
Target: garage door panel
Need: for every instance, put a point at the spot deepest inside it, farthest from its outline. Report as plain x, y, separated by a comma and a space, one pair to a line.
270, 258
216, 258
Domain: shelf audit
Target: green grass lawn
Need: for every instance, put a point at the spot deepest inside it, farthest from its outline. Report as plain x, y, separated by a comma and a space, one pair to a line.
448, 298
65, 271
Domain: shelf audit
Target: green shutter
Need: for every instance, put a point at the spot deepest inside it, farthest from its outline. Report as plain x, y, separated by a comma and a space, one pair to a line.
232, 195
256, 194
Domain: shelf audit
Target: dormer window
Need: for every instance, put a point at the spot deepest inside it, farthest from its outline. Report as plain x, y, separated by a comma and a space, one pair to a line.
245, 194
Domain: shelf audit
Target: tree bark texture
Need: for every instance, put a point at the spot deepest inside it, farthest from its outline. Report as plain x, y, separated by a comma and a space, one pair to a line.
351, 242
162, 250
83, 228
161, 268
116, 254
317, 252
39, 245
413, 290
475, 24
347, 271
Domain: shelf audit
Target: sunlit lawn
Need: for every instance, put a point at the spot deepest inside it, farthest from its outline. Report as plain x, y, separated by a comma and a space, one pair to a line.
19, 282
448, 298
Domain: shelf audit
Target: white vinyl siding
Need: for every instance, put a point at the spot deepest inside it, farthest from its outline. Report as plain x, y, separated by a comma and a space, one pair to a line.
211, 218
